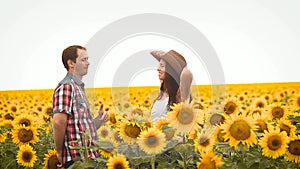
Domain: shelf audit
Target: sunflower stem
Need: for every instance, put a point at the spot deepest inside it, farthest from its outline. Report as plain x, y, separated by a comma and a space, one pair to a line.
184, 160
153, 162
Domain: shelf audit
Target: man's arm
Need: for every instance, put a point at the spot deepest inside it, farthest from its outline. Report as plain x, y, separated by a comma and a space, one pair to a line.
59, 131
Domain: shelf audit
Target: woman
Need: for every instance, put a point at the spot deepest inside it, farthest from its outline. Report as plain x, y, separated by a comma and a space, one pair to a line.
175, 79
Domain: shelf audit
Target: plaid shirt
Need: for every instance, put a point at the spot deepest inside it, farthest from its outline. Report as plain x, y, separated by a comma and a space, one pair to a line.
69, 97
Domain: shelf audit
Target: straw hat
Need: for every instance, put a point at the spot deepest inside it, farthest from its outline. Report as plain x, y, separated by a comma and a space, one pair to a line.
175, 60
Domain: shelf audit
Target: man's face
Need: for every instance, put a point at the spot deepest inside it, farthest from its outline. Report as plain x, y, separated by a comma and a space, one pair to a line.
82, 63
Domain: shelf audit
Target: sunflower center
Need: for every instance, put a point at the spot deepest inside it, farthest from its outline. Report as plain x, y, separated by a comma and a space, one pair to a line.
126, 105
104, 133
274, 143
117, 137
25, 135
240, 130
27, 156
185, 116
216, 119
294, 147
277, 112
25, 122
112, 119
39, 109
152, 141
13, 109
204, 141
257, 112
229, 107
132, 131
49, 111
8, 116
169, 133
260, 105
285, 128
118, 166
52, 162
137, 111
298, 101
262, 126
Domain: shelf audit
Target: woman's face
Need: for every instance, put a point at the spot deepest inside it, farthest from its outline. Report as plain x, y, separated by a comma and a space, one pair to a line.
161, 70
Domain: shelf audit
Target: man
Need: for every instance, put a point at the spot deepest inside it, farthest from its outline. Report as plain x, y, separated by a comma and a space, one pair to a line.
72, 116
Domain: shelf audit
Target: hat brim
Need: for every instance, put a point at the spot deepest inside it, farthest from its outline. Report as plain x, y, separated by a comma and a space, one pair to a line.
157, 54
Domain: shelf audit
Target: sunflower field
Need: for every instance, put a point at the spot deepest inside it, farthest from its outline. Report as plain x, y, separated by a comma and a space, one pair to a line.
255, 126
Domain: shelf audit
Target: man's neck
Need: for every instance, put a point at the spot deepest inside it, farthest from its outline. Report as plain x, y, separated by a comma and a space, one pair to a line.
78, 76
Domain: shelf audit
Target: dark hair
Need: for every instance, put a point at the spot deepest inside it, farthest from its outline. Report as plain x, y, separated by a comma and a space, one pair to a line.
171, 84
70, 53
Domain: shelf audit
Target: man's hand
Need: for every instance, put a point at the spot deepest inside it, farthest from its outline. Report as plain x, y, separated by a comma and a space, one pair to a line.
59, 157
103, 116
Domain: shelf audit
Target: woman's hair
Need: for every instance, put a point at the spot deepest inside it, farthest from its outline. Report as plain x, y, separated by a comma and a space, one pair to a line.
70, 53
171, 84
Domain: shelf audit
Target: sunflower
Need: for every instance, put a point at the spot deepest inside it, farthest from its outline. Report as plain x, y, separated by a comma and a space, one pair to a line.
239, 129
116, 136
24, 120
262, 125
109, 153
23, 135
50, 160
138, 114
137, 111
130, 131
215, 119
184, 118
218, 135
13, 107
231, 106
274, 143
259, 102
203, 142
8, 116
48, 110
163, 125
255, 112
152, 141
277, 111
118, 162
7, 124
296, 101
114, 118
2, 138
286, 125
261, 121
209, 161
104, 132
242, 98
26, 156
293, 150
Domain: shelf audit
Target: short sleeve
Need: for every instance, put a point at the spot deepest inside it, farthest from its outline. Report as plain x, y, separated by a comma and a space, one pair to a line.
62, 99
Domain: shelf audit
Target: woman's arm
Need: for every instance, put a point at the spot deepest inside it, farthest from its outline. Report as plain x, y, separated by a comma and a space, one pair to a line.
186, 79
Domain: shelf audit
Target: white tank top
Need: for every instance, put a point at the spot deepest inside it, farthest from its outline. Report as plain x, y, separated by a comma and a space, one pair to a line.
159, 109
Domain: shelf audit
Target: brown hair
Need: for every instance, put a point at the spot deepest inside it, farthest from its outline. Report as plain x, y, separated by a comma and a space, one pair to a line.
70, 53
171, 84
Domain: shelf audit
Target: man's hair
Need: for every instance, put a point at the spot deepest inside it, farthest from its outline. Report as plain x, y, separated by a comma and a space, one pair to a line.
70, 53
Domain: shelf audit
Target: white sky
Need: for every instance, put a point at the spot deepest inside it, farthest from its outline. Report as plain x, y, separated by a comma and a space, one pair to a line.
255, 40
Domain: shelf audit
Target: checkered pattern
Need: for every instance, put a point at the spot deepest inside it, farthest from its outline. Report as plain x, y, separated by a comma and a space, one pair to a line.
69, 97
